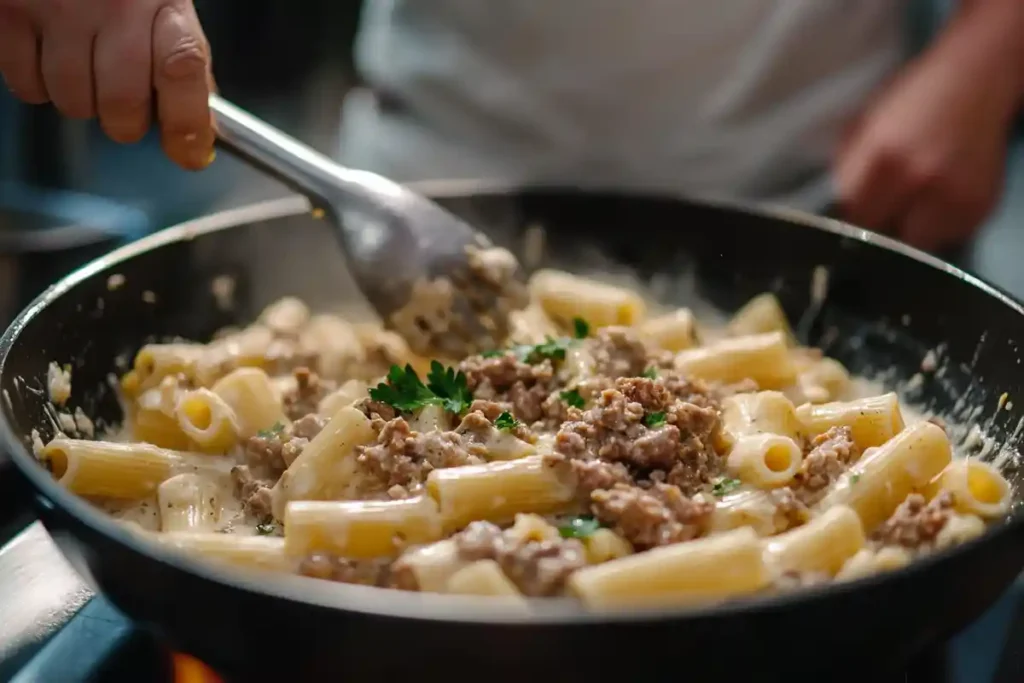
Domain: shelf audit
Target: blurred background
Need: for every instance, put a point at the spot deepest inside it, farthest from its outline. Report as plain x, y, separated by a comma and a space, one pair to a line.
68, 194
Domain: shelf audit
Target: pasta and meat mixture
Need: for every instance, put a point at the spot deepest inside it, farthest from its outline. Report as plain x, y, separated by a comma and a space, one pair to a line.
602, 453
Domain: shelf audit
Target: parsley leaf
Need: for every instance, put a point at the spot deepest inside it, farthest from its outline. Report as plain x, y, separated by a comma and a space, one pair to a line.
404, 391
450, 386
506, 422
274, 430
266, 529
579, 527
580, 328
573, 398
725, 485
551, 348
654, 419
854, 478
650, 373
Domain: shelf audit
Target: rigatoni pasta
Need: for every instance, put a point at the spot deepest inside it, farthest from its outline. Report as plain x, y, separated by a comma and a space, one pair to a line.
600, 453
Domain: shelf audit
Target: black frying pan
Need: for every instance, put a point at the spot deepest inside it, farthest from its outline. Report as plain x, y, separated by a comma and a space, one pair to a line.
887, 305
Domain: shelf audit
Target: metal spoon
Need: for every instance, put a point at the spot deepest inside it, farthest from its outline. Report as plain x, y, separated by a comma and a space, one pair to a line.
433, 278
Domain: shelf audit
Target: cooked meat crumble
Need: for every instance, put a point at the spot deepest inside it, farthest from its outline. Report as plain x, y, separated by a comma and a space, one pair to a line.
536, 567
304, 397
830, 455
916, 523
648, 518
402, 457
681, 447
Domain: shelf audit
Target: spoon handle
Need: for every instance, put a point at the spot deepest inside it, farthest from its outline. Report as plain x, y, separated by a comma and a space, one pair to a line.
294, 163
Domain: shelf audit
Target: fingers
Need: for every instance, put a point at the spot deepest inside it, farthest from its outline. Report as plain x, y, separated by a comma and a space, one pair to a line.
67, 68
942, 217
19, 57
181, 72
123, 58
871, 192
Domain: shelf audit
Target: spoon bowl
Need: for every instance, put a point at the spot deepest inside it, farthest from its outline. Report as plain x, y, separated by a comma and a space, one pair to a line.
430, 276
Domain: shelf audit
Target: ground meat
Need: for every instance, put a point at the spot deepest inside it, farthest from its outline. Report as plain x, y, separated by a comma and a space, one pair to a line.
589, 475
366, 572
273, 450
377, 412
506, 379
830, 455
489, 411
306, 395
618, 352
915, 523
253, 492
537, 568
403, 457
790, 511
682, 446
648, 518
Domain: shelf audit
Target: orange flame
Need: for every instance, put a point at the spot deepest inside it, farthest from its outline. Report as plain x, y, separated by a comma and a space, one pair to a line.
190, 670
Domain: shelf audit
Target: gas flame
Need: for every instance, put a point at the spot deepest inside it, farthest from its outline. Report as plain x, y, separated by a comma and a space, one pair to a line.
190, 670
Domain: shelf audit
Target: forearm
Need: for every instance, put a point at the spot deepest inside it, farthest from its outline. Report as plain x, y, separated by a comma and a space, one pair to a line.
985, 39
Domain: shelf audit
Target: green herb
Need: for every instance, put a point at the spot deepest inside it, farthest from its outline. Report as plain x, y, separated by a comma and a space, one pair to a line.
276, 429
404, 391
266, 529
579, 527
854, 478
450, 386
725, 485
651, 373
551, 348
506, 422
580, 328
573, 398
654, 419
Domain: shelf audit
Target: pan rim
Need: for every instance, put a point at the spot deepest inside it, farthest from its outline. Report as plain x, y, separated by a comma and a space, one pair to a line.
446, 608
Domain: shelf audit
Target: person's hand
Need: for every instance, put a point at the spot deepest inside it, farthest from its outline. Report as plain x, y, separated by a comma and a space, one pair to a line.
119, 60
925, 161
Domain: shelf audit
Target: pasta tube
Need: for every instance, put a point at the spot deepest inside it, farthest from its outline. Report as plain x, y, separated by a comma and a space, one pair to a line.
884, 477
705, 570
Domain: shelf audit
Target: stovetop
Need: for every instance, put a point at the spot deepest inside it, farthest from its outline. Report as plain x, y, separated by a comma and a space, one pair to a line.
53, 629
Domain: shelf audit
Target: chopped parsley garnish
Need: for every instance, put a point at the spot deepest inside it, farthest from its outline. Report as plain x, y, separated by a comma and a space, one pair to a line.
266, 529
579, 527
573, 398
854, 478
450, 386
580, 328
274, 430
724, 486
551, 348
404, 391
506, 422
654, 419
650, 373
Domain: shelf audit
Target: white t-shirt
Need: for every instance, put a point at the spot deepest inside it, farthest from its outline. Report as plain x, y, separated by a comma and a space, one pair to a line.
734, 98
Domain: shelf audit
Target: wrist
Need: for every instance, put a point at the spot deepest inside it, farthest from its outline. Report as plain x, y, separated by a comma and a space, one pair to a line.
985, 42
